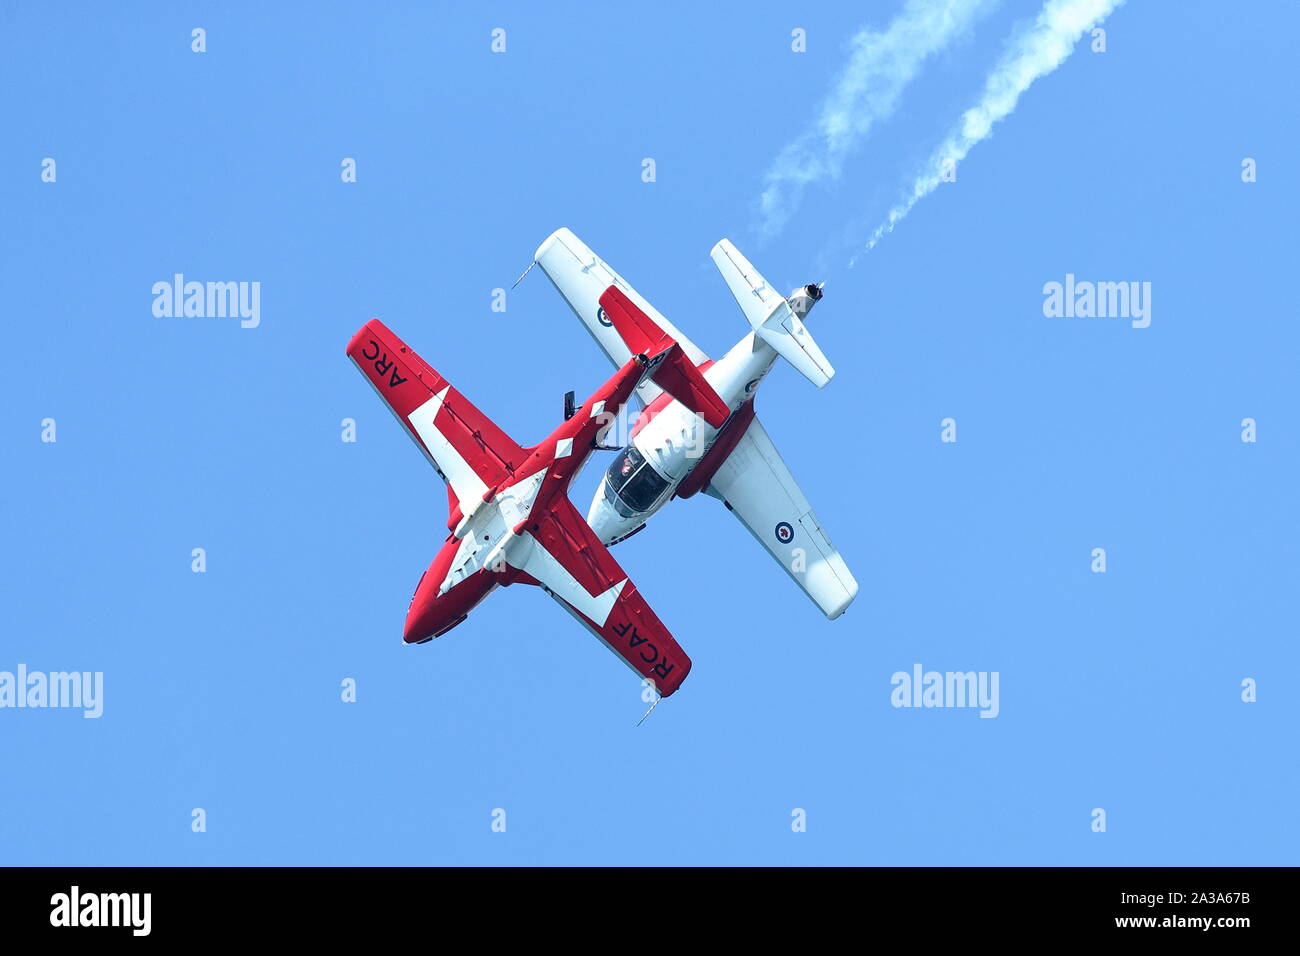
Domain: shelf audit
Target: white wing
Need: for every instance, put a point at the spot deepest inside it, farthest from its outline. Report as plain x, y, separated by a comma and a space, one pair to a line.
581, 277
757, 487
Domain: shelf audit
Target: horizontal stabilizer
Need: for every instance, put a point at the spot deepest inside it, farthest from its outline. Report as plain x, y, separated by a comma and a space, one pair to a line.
671, 368
770, 315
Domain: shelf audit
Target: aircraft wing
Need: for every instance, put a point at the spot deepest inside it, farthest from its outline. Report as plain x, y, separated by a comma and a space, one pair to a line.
572, 566
582, 277
468, 450
757, 487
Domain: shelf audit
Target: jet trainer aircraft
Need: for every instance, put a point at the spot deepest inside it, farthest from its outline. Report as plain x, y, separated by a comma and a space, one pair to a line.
675, 454
510, 515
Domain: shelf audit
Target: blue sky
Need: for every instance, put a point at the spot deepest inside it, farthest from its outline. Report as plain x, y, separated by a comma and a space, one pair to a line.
1119, 690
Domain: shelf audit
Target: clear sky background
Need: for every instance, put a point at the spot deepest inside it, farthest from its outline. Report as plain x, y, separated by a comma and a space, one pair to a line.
1119, 691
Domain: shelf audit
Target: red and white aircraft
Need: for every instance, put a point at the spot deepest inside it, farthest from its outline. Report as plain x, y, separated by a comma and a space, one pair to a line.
510, 515
673, 453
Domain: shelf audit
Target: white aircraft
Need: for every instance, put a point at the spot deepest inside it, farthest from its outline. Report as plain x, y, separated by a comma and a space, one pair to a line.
674, 452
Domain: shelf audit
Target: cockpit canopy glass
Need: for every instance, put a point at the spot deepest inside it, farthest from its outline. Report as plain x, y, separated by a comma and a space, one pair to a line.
633, 486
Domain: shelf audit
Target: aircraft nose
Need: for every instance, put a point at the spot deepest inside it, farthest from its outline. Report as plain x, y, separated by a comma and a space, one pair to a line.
432, 614
423, 616
427, 617
608, 524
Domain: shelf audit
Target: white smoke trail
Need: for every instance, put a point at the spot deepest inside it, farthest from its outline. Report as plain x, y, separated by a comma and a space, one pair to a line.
867, 91
1034, 52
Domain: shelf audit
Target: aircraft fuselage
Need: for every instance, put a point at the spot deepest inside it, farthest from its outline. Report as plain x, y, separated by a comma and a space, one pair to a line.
673, 442
481, 549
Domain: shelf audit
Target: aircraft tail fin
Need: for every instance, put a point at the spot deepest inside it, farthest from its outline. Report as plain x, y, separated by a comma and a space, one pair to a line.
669, 366
775, 319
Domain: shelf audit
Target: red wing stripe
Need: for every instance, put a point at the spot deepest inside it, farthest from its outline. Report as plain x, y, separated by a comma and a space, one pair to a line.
683, 381
676, 374
569, 539
634, 632
464, 444
630, 628
638, 330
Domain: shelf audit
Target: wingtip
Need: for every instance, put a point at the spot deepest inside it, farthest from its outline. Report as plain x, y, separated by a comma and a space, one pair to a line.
850, 594
359, 334
559, 235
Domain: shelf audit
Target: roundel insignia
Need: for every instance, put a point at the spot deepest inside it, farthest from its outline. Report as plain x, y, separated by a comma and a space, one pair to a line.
784, 533
602, 318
